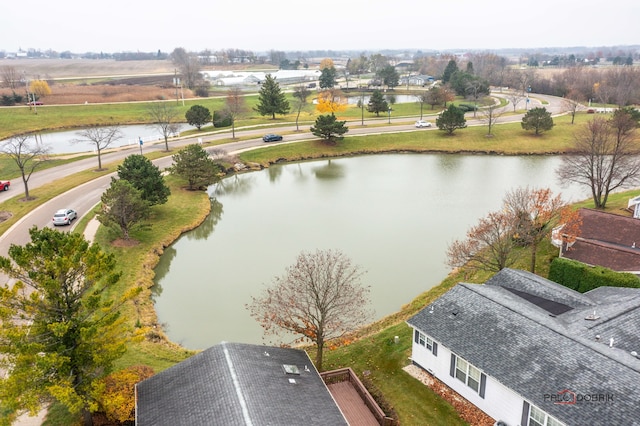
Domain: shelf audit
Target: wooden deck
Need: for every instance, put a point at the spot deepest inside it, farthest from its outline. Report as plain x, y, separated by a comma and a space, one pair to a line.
352, 405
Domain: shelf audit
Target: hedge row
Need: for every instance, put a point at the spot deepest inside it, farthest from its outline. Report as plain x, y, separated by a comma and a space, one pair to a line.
580, 277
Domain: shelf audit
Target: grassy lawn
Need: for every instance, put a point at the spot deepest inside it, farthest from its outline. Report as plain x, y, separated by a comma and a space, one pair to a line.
506, 139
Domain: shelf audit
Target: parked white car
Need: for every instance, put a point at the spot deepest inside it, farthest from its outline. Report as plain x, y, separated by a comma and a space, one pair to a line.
422, 123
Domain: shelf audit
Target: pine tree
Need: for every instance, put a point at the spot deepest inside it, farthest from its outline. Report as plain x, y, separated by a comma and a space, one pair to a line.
377, 103
328, 128
271, 100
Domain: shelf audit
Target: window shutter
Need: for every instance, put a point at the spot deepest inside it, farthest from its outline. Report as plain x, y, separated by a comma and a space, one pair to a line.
416, 336
524, 421
435, 349
483, 384
452, 368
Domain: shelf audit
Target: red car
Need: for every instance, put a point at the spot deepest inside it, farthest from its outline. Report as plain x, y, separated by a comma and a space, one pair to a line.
4, 185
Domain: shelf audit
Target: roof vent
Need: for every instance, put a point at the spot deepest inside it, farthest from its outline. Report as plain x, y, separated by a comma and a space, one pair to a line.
611, 342
634, 353
592, 317
292, 381
266, 353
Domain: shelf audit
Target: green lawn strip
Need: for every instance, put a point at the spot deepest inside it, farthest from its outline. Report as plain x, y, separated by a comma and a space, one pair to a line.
185, 210
507, 139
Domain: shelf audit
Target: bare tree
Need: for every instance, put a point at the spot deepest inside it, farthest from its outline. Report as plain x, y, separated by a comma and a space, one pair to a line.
423, 98
490, 116
27, 155
604, 157
300, 95
235, 106
571, 103
165, 119
515, 96
10, 77
100, 137
320, 298
488, 246
189, 66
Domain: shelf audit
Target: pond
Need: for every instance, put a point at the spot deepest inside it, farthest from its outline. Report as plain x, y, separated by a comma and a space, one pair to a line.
62, 142
393, 215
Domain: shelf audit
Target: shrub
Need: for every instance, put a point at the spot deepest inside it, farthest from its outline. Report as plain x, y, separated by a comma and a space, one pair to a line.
221, 119
467, 107
580, 277
117, 392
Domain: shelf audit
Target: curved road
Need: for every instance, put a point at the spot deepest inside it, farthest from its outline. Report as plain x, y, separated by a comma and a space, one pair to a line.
86, 196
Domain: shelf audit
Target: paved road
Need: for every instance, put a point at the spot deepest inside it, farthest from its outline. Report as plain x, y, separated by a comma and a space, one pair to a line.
85, 196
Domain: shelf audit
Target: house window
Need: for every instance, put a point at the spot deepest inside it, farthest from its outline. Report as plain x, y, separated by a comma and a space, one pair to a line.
537, 417
468, 374
426, 342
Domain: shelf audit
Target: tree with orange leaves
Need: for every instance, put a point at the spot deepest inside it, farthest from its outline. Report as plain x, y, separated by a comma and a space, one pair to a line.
320, 298
536, 211
528, 216
331, 101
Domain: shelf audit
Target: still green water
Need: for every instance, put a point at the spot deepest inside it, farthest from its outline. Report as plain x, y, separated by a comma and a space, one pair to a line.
394, 215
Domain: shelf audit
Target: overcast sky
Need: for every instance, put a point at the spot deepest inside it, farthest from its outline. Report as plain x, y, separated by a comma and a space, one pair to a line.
144, 25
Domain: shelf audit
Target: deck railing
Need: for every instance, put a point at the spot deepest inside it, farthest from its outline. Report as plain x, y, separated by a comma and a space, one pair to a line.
347, 374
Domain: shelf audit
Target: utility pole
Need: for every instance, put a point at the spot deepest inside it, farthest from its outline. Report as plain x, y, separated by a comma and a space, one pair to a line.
176, 81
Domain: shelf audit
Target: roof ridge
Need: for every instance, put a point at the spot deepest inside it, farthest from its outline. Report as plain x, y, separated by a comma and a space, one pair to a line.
597, 347
236, 385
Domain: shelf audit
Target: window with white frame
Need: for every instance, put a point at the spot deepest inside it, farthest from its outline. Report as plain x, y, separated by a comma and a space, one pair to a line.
537, 417
468, 374
423, 340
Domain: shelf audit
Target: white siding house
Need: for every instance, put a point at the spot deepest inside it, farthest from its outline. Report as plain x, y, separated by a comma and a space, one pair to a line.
530, 352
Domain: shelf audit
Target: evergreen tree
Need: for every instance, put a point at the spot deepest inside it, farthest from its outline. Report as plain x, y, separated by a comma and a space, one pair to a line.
452, 67
271, 100
60, 331
140, 172
389, 76
451, 119
195, 166
537, 119
198, 116
327, 77
328, 128
377, 103
123, 207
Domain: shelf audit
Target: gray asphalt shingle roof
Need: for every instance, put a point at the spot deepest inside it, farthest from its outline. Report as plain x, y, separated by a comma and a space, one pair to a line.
238, 384
533, 352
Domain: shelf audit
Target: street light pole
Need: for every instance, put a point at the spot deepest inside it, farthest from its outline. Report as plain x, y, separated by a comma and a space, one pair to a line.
389, 115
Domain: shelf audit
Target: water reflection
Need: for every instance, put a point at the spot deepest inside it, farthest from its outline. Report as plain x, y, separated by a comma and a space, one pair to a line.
274, 173
329, 171
207, 227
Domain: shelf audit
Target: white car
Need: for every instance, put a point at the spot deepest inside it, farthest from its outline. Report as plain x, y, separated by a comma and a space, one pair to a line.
422, 123
64, 217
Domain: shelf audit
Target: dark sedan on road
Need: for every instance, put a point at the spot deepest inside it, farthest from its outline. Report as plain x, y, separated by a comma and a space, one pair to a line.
271, 138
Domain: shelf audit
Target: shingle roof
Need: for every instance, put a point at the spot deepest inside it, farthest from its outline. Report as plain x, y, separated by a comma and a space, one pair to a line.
533, 352
238, 384
608, 240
